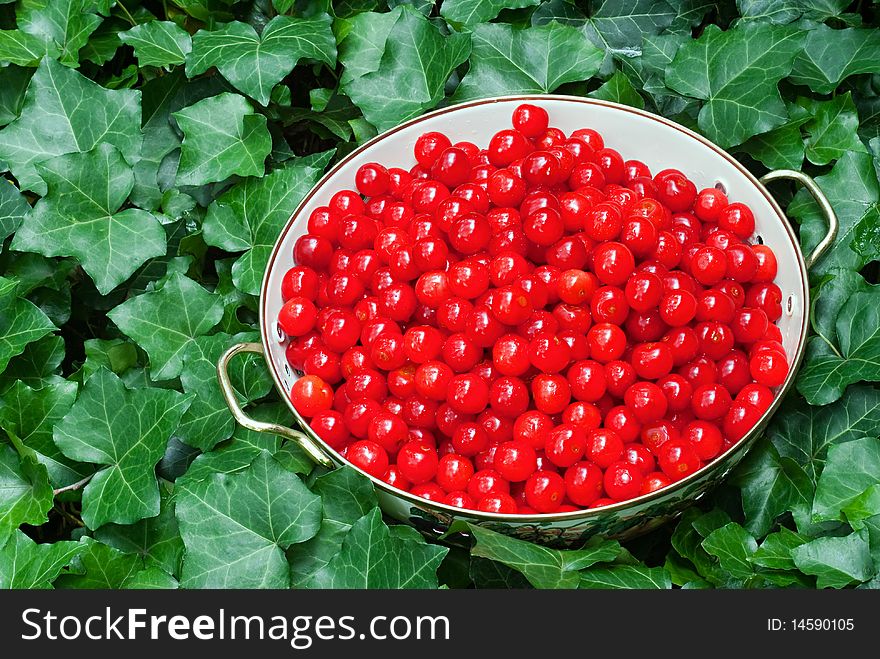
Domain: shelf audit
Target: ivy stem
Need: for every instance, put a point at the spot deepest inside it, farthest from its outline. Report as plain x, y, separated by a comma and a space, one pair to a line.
127, 13
73, 487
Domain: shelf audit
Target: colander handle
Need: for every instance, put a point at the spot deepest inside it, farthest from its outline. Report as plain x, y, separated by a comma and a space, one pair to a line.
824, 206
314, 451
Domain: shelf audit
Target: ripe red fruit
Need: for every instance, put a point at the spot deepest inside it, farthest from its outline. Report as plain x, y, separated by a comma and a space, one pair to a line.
498, 316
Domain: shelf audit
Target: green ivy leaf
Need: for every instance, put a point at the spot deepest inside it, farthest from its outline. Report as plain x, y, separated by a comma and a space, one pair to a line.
736, 72
25, 493
471, 12
235, 527
80, 216
31, 415
778, 12
543, 567
625, 576
374, 556
805, 433
249, 216
64, 112
836, 562
509, 60
775, 551
850, 470
156, 540
158, 43
25, 565
13, 84
733, 546
828, 368
13, 208
37, 362
254, 63
361, 40
23, 49
829, 56
833, 130
125, 431
854, 191
222, 136
619, 89
151, 578
412, 73
863, 508
66, 22
98, 566
782, 147
207, 421
770, 487
615, 27
347, 496
21, 322
165, 322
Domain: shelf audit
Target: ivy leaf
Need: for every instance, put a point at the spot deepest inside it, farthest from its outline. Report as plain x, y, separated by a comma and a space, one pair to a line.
31, 415
374, 556
412, 73
207, 421
23, 49
782, 147
25, 565
471, 12
361, 40
80, 217
619, 89
37, 362
850, 470
829, 369
249, 216
736, 72
13, 208
25, 493
165, 322
158, 43
64, 112
836, 562
13, 84
66, 22
222, 136
778, 12
863, 508
733, 546
805, 433
254, 63
509, 60
151, 578
775, 551
833, 130
829, 56
625, 576
616, 28
854, 191
543, 567
237, 454
156, 539
770, 487
100, 567
347, 496
126, 431
21, 322
235, 527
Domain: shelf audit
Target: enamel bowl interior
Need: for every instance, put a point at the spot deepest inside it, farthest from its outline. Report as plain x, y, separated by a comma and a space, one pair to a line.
657, 142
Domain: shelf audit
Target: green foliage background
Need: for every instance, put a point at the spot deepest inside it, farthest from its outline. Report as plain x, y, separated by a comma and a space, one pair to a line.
152, 151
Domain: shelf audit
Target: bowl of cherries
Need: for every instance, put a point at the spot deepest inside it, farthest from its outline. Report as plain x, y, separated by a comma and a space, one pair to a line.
549, 315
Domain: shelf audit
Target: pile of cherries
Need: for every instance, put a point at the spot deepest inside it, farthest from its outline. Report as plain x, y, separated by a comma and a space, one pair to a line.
539, 326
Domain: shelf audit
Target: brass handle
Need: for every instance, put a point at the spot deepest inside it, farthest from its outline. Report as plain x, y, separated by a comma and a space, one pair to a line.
824, 205
314, 451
